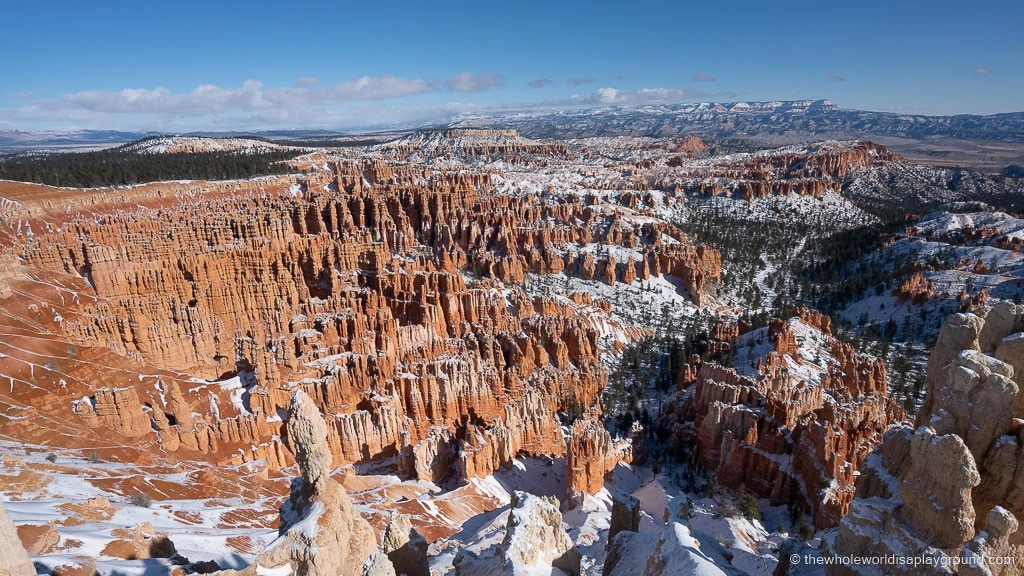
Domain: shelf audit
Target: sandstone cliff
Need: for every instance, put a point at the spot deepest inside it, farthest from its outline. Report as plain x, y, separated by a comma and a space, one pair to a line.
387, 293
590, 455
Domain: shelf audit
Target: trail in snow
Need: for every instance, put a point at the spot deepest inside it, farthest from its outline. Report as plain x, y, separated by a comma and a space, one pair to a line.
761, 278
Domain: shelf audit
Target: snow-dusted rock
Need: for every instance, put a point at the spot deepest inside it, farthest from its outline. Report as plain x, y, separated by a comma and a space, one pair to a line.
936, 488
675, 553
628, 553
535, 537
378, 564
678, 554
625, 514
14, 559
976, 401
954, 487
591, 454
321, 533
993, 541
405, 547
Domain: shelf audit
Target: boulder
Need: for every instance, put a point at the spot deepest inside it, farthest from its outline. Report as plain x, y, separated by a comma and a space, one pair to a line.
954, 487
38, 539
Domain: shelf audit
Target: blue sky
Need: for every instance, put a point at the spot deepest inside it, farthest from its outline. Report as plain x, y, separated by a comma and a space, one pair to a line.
246, 65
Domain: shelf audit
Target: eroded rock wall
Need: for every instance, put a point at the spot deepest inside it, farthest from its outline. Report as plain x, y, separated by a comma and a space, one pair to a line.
386, 292
952, 487
795, 440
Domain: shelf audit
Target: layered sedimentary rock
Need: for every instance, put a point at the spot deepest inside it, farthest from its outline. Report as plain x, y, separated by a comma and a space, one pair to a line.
951, 488
118, 410
385, 292
792, 431
809, 172
914, 288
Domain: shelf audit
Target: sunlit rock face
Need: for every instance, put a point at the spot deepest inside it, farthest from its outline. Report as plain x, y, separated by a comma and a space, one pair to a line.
415, 318
184, 315
951, 487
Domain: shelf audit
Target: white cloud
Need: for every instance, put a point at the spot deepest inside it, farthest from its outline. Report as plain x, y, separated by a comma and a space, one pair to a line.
359, 103
308, 81
835, 78
469, 82
539, 83
574, 81
982, 71
704, 78
210, 99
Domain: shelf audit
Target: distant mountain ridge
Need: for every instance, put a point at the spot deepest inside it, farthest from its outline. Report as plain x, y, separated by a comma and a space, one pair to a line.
811, 119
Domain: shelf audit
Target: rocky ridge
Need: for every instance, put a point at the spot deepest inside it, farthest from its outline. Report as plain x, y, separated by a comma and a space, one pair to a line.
948, 489
534, 540
813, 119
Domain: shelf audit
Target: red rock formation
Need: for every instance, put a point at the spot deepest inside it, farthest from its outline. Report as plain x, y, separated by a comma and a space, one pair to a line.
118, 410
968, 302
350, 283
725, 331
819, 321
915, 288
782, 337
590, 455
139, 542
806, 173
777, 433
38, 539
